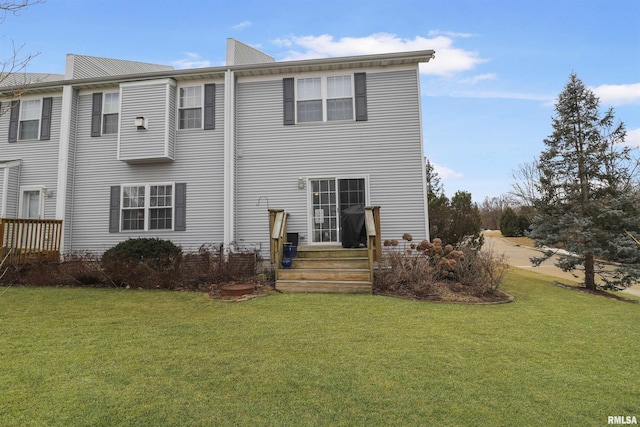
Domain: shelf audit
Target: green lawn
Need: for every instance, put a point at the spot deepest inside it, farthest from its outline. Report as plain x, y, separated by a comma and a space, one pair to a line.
125, 357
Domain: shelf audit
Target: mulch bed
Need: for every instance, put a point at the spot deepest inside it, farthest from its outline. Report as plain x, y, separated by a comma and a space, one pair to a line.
448, 293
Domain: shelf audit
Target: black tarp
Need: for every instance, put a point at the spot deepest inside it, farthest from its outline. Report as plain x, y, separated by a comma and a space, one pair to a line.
353, 232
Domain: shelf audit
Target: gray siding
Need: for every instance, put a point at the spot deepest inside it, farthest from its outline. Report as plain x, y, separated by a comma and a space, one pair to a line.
386, 148
198, 163
13, 189
151, 102
39, 158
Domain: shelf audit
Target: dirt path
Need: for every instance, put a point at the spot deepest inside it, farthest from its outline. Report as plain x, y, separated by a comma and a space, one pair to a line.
519, 256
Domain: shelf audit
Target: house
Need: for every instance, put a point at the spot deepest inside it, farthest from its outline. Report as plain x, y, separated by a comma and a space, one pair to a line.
121, 149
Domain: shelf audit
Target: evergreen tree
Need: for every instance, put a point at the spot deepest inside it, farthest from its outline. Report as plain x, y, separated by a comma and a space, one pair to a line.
586, 199
465, 220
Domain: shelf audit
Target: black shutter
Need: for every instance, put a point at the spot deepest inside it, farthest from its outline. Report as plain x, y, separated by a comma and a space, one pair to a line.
209, 106
114, 210
45, 123
181, 207
289, 100
361, 96
96, 115
13, 121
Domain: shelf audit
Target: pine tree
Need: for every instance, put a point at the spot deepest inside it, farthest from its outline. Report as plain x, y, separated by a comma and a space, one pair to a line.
586, 197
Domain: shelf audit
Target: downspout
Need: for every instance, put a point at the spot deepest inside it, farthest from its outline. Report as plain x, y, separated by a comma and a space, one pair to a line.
229, 160
63, 158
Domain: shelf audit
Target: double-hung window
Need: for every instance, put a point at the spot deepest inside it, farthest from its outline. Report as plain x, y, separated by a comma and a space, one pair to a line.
339, 98
190, 106
309, 100
29, 119
110, 111
105, 113
321, 99
147, 207
324, 99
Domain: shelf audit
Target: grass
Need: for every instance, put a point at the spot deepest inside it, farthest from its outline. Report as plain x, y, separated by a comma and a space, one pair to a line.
124, 357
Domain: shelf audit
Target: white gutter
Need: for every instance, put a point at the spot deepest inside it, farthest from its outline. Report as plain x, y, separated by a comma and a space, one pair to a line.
229, 159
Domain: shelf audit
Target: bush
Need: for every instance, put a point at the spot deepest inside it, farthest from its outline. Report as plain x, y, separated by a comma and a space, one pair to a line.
143, 263
512, 224
431, 270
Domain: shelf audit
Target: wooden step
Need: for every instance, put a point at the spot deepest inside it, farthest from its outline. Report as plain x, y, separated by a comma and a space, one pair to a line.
330, 252
330, 263
329, 269
320, 286
326, 274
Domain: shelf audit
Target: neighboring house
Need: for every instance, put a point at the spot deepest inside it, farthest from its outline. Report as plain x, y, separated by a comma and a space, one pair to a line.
121, 149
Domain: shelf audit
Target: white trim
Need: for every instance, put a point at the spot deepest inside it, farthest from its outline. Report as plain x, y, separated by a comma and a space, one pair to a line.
102, 114
10, 164
41, 189
63, 154
229, 159
22, 101
336, 178
167, 81
147, 207
167, 117
424, 158
183, 86
285, 74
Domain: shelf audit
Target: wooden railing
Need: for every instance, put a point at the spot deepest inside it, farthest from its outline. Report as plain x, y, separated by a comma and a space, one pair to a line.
374, 245
23, 240
277, 235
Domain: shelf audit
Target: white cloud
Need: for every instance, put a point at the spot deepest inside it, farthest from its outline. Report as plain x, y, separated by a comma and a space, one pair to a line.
444, 172
242, 25
633, 138
434, 33
618, 94
191, 60
449, 59
480, 77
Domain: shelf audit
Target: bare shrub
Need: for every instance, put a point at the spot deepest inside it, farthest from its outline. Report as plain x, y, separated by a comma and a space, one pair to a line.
429, 270
202, 270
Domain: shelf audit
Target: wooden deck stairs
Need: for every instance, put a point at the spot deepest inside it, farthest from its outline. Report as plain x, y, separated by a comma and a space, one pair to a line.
330, 269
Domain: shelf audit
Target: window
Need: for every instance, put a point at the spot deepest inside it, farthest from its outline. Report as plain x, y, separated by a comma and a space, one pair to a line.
147, 207
105, 113
190, 106
160, 207
339, 99
110, 113
29, 119
309, 100
324, 99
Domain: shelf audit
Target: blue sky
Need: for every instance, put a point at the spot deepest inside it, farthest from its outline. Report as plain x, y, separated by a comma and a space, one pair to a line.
487, 96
